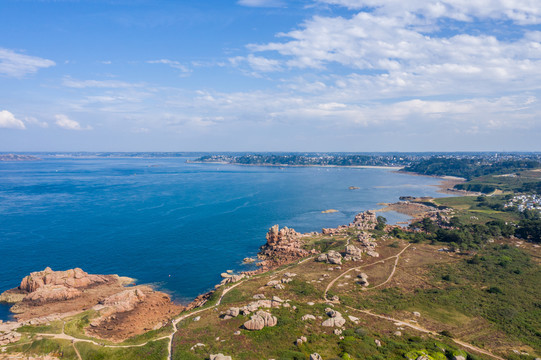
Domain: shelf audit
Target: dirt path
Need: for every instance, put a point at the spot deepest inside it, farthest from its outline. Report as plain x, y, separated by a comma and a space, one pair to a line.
176, 321
397, 321
426, 331
397, 256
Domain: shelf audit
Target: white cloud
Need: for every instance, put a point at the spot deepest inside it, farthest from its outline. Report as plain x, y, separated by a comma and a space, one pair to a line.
172, 63
520, 11
261, 3
257, 63
13, 64
34, 121
9, 121
66, 123
80, 84
389, 56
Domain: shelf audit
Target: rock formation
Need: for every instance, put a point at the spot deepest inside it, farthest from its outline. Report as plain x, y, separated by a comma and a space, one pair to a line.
363, 280
353, 253
124, 312
260, 320
335, 320
364, 221
283, 246
332, 257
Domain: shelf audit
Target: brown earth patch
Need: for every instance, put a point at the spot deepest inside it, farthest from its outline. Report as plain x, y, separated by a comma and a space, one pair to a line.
153, 312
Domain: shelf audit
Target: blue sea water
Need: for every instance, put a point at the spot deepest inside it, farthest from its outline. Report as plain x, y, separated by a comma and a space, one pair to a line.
167, 222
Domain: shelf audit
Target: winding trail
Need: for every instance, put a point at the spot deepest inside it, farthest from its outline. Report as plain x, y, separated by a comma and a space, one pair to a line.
402, 322
397, 256
182, 317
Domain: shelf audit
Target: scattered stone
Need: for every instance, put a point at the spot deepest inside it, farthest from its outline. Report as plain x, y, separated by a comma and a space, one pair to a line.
337, 332
399, 333
233, 279
460, 357
273, 282
290, 275
378, 343
416, 314
259, 296
220, 357
335, 298
308, 317
310, 303
197, 318
248, 260
279, 287
236, 332
9, 337
315, 356
196, 346
353, 319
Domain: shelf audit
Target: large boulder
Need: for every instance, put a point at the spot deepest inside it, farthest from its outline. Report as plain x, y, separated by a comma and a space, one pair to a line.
50, 293
219, 357
335, 320
332, 257
125, 300
73, 278
260, 320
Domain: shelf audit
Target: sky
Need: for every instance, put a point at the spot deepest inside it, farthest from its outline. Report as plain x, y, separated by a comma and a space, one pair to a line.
270, 75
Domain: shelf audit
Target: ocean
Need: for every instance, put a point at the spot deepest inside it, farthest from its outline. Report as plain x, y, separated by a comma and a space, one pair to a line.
169, 223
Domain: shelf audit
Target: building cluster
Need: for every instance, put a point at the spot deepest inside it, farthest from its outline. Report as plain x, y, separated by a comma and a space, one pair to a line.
525, 202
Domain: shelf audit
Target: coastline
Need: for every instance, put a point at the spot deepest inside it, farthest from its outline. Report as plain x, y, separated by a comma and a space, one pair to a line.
396, 168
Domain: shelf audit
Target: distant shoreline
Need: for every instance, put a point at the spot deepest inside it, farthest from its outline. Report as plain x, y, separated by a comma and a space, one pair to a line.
288, 165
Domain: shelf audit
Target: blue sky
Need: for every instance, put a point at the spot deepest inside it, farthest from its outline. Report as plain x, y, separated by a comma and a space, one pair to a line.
270, 75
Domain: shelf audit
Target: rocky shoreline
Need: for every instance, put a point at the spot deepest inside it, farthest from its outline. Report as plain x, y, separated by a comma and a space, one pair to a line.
125, 311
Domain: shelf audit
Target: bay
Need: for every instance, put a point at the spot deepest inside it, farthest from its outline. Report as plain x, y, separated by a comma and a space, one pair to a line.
169, 223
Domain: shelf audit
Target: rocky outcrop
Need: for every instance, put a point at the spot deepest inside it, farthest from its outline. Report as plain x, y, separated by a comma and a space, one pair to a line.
50, 293
335, 320
353, 253
126, 300
332, 257
260, 320
283, 246
73, 278
47, 286
364, 221
124, 312
9, 337
363, 280
368, 245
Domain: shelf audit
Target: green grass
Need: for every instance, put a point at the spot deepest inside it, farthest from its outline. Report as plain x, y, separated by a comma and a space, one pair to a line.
55, 347
515, 309
156, 350
54, 327
149, 335
75, 325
